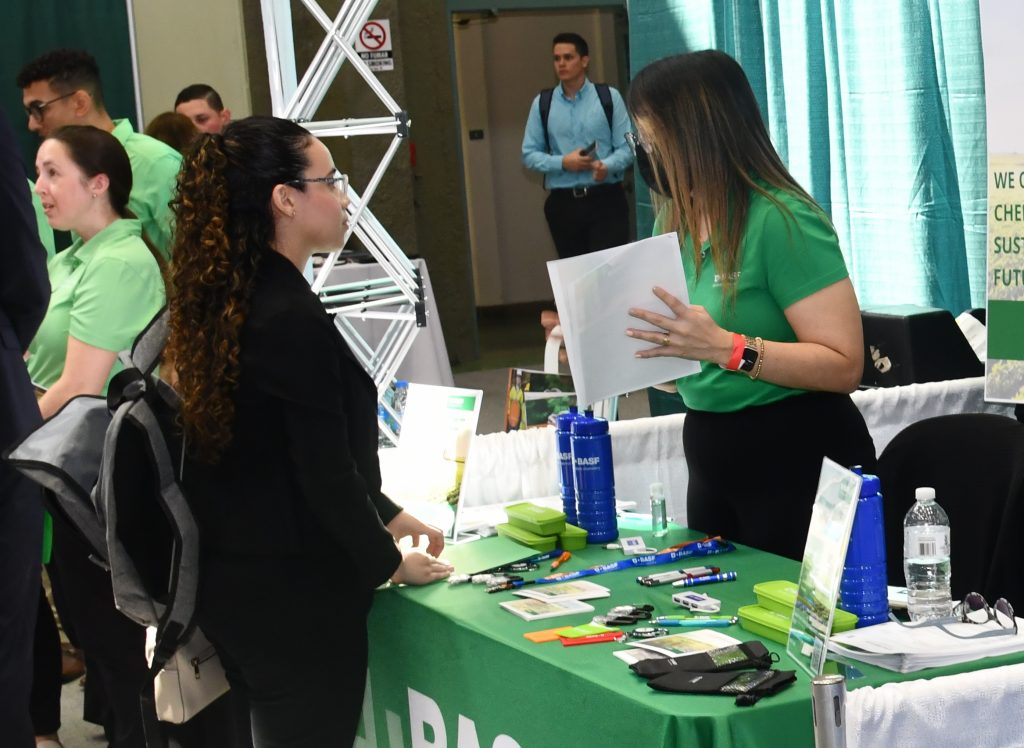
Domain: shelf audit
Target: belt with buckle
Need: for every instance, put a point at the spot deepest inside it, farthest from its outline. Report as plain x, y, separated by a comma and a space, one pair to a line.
587, 190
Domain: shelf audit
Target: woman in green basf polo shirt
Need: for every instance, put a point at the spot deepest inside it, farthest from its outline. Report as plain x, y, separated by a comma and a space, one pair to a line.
773, 318
106, 288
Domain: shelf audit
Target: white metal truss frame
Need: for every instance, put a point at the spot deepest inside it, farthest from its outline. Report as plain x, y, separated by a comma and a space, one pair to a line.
398, 297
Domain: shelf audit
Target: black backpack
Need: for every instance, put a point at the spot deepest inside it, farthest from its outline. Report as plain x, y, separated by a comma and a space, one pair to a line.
603, 93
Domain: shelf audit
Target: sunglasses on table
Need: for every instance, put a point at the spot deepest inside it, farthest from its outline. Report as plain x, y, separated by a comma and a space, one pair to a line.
974, 608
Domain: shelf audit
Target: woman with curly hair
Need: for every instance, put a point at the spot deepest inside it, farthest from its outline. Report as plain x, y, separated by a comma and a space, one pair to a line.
281, 432
773, 317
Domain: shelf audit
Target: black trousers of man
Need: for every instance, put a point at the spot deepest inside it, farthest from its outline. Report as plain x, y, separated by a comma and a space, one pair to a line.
586, 219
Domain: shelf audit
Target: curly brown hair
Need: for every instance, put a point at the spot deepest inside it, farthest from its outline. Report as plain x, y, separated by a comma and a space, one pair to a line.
224, 226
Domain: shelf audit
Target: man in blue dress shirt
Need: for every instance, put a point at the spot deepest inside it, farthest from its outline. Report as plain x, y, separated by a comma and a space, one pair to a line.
586, 208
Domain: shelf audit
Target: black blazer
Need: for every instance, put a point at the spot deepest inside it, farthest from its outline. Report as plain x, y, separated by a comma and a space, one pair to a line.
24, 293
301, 477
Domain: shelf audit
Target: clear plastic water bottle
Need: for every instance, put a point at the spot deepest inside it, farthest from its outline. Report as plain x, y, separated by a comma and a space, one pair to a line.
863, 588
926, 558
659, 512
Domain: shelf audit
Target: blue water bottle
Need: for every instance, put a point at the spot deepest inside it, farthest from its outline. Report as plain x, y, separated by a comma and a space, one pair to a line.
863, 589
566, 481
591, 447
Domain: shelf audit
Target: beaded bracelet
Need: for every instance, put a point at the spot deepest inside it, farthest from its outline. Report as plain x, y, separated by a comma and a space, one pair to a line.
760, 358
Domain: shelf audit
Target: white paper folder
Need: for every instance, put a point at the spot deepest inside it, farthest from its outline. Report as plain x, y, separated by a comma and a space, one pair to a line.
593, 294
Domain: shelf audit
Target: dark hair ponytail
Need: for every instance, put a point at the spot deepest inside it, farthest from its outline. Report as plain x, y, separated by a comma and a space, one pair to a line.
224, 224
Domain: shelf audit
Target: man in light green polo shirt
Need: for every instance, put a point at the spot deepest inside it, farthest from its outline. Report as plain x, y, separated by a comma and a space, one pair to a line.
63, 87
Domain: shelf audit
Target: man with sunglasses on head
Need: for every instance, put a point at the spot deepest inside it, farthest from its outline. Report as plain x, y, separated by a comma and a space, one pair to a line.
576, 137
63, 87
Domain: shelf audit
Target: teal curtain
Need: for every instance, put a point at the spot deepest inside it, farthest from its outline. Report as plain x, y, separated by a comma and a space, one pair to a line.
878, 108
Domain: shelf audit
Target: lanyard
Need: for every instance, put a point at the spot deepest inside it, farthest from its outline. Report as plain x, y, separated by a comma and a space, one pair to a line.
711, 547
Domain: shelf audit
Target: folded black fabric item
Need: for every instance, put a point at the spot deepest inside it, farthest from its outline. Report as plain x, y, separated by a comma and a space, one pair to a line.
748, 686
751, 654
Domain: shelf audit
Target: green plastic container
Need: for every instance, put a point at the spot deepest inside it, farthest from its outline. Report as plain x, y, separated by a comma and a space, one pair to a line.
537, 519
771, 616
572, 538
780, 596
763, 622
539, 543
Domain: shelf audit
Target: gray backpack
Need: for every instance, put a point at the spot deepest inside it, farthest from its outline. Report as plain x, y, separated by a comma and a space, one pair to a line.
112, 468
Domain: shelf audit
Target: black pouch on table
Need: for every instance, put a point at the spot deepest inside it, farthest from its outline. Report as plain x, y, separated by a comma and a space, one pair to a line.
752, 654
748, 686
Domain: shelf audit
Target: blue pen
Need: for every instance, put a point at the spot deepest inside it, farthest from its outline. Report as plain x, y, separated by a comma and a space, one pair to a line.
697, 623
725, 576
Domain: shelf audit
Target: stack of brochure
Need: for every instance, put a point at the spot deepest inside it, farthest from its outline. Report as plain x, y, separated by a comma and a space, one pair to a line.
552, 600
907, 648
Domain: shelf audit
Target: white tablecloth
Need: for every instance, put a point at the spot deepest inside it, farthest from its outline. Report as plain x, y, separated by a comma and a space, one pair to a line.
427, 361
980, 708
522, 465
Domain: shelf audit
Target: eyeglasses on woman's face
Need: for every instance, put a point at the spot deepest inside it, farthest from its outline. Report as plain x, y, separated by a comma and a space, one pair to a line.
37, 109
337, 181
636, 143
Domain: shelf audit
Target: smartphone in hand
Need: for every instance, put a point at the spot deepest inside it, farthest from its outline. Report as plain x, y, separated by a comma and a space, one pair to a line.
590, 150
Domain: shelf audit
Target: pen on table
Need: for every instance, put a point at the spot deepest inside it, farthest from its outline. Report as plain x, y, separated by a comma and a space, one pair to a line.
609, 636
698, 622
663, 619
725, 576
561, 560
664, 577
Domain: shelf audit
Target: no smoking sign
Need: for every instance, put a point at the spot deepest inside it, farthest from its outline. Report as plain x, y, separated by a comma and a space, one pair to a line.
374, 45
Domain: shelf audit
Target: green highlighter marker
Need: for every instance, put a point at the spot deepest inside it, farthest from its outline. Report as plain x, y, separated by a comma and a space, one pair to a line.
696, 621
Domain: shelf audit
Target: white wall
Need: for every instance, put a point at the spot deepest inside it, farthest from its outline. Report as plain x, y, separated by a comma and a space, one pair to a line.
191, 41
501, 64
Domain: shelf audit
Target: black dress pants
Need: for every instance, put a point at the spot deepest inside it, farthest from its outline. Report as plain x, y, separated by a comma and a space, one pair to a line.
21, 543
46, 677
582, 222
754, 472
114, 645
272, 621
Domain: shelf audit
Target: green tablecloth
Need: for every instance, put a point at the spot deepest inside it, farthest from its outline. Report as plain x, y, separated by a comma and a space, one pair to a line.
448, 667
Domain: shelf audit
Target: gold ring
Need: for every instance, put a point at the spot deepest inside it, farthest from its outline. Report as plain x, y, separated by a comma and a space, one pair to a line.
664, 340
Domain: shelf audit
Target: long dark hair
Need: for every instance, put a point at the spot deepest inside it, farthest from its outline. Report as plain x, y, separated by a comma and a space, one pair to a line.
224, 226
707, 135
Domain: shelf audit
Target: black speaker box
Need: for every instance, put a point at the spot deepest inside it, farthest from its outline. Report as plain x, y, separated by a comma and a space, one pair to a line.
908, 344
